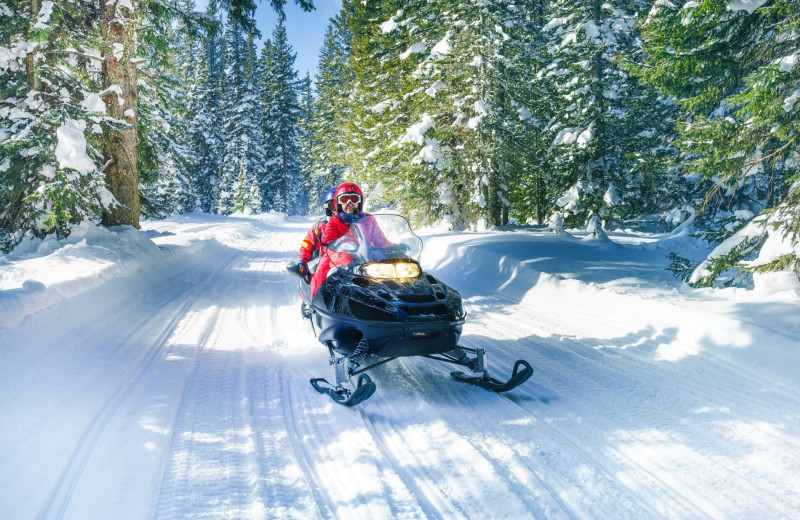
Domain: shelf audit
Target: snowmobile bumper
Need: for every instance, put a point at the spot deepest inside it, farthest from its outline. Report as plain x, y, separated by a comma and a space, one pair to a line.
388, 339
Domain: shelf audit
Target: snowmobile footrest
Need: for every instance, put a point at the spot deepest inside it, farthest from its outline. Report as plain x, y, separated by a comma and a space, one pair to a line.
495, 385
363, 391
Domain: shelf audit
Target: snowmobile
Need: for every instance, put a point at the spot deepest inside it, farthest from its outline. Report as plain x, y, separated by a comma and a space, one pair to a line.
377, 305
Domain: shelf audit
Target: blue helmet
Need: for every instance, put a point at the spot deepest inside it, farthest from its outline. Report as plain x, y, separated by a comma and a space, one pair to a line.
330, 205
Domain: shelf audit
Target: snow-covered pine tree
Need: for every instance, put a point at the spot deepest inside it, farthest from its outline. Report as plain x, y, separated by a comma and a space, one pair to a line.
531, 191
117, 27
733, 66
50, 173
305, 141
167, 87
243, 155
333, 84
369, 101
491, 55
440, 121
282, 185
598, 124
204, 125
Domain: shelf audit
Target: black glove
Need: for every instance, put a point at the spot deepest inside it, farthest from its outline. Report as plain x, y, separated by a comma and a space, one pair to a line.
302, 268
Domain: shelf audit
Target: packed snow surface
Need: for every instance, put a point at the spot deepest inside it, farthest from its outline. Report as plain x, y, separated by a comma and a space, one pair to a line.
165, 374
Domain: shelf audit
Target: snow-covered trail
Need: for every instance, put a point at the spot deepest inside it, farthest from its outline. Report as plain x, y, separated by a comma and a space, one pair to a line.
181, 391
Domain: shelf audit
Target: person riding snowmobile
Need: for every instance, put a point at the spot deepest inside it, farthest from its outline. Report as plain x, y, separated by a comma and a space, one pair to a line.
310, 246
349, 201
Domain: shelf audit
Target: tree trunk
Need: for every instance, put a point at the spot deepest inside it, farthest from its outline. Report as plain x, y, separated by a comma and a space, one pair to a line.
285, 180
31, 58
120, 144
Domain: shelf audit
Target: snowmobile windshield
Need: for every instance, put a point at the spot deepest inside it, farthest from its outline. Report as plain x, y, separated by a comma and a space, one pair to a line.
380, 246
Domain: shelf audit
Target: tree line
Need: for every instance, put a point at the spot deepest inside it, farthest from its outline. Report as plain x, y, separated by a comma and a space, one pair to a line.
475, 113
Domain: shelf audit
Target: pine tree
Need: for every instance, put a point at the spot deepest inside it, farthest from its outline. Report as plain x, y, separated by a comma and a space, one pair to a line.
601, 117
205, 123
120, 94
167, 87
534, 188
334, 84
49, 113
732, 68
306, 141
282, 185
243, 158
117, 26
439, 122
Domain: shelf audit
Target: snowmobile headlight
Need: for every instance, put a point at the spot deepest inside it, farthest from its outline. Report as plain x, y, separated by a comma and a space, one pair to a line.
393, 270
406, 270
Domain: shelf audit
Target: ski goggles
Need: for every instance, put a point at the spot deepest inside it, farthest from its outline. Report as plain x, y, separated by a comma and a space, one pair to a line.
349, 198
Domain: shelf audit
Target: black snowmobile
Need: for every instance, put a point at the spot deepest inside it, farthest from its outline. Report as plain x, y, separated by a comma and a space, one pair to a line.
377, 305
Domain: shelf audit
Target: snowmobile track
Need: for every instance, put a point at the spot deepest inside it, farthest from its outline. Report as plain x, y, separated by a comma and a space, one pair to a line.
689, 509
301, 450
67, 483
442, 508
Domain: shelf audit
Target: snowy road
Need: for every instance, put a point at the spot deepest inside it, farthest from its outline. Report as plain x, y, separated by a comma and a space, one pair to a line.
178, 388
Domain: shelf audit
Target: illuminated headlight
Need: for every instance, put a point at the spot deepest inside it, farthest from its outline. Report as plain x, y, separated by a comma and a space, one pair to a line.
393, 270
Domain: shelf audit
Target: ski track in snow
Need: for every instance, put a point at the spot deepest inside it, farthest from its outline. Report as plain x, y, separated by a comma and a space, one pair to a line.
649, 478
190, 398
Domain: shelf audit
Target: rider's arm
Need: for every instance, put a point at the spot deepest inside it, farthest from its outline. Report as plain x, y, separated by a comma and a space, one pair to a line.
309, 244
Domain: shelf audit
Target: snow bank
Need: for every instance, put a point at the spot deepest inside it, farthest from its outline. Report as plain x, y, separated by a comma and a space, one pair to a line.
15, 304
575, 274
39, 273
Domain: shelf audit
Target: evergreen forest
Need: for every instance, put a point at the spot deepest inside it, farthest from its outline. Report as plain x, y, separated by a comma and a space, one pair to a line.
681, 115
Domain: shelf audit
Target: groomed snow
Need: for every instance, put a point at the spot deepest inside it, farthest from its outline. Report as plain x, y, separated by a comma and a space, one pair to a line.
164, 374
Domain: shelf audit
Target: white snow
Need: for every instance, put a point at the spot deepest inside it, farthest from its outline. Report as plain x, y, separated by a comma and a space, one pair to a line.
431, 152
479, 107
435, 87
414, 49
117, 50
789, 102
443, 46
570, 200
92, 102
71, 147
556, 223
127, 4
416, 132
389, 25
746, 5
11, 58
164, 374
378, 108
566, 136
116, 89
586, 136
787, 63
44, 15
611, 197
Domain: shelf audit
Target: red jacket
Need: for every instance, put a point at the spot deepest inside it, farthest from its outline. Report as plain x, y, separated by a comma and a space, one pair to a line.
336, 228
312, 241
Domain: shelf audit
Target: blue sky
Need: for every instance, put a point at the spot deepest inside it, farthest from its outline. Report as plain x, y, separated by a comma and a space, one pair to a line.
304, 30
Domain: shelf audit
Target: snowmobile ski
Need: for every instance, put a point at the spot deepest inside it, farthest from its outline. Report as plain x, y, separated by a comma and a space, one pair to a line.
495, 385
363, 391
